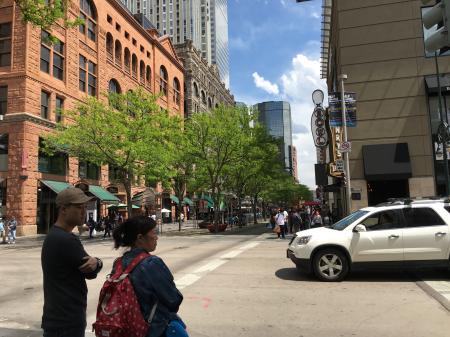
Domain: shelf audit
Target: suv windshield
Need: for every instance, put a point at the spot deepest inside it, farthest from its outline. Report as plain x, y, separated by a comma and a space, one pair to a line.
343, 223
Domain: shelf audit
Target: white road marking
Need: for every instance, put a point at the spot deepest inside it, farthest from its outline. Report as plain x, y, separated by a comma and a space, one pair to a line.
184, 280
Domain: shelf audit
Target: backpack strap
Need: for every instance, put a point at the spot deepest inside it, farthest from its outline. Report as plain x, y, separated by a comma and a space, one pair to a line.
120, 274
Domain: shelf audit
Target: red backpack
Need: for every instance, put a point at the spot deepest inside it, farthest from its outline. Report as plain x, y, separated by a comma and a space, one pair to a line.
118, 310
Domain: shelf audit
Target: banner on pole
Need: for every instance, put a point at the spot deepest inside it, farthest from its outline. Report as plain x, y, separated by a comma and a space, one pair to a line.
335, 109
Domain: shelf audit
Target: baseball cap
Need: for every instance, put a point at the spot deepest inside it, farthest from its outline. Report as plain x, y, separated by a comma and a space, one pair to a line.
72, 195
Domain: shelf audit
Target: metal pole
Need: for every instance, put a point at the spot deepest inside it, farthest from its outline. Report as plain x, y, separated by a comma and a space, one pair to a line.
346, 161
442, 116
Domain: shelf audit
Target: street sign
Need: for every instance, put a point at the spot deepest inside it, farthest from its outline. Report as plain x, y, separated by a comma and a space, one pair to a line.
318, 129
335, 109
345, 147
340, 165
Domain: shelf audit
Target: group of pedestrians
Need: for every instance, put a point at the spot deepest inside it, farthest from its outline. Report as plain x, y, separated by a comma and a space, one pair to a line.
8, 230
106, 224
283, 222
66, 265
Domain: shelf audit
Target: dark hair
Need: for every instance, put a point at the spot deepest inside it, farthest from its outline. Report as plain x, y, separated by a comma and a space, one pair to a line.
126, 234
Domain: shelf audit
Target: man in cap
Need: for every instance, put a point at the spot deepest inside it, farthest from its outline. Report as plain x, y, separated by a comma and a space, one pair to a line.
66, 266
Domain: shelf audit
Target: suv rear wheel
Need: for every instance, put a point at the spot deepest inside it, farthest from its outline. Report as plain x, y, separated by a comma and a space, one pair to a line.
330, 265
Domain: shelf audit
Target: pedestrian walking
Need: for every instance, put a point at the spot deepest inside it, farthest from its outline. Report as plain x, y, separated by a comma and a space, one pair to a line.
91, 224
65, 267
279, 219
296, 221
156, 292
12, 228
286, 221
317, 219
2, 230
108, 226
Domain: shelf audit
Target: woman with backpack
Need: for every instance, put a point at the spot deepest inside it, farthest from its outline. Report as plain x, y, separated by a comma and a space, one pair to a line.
157, 296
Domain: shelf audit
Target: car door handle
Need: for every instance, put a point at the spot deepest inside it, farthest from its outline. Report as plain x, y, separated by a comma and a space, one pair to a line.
394, 236
441, 233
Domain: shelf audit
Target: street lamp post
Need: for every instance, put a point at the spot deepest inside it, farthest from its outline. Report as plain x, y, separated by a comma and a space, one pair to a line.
348, 193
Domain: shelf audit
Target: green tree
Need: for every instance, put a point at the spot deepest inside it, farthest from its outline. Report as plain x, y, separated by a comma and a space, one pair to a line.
131, 133
215, 139
44, 13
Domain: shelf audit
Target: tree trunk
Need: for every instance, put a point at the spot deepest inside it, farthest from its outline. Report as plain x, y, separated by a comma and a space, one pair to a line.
255, 201
127, 184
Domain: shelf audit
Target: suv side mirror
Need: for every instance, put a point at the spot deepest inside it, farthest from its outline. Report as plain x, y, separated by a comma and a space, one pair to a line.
360, 228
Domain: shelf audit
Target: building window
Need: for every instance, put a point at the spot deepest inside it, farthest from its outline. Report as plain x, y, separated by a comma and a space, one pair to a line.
114, 87
48, 50
176, 91
148, 75
45, 103
118, 53
88, 75
142, 71
58, 60
134, 66
45, 52
163, 80
88, 15
59, 107
109, 19
196, 90
203, 97
113, 173
88, 170
3, 100
5, 44
127, 60
4, 152
118, 28
53, 164
109, 46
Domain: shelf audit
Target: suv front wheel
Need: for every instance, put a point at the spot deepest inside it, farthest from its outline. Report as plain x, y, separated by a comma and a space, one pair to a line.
330, 265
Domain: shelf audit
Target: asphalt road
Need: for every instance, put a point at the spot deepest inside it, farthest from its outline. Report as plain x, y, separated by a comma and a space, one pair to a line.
241, 284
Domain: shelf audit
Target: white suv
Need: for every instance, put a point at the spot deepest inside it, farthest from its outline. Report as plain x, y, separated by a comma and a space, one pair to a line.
396, 234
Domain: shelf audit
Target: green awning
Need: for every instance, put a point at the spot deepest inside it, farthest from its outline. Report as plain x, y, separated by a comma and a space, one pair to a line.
56, 186
209, 200
174, 199
103, 194
188, 201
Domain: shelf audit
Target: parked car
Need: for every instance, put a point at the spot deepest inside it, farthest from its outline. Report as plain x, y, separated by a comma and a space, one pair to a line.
397, 234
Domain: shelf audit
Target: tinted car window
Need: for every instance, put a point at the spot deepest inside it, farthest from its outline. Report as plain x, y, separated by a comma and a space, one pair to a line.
422, 217
382, 221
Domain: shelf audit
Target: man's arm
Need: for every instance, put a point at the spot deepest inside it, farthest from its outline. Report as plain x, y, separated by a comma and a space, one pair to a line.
78, 258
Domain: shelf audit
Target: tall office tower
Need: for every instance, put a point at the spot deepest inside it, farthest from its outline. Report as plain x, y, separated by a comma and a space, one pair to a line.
276, 116
219, 38
204, 22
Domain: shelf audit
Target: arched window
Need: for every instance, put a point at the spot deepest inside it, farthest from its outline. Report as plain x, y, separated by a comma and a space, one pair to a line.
163, 80
142, 71
134, 66
209, 103
203, 97
127, 60
196, 90
176, 91
118, 53
109, 46
114, 87
217, 105
148, 76
89, 16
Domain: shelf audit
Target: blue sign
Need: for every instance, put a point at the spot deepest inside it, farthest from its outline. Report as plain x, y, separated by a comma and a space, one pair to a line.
335, 109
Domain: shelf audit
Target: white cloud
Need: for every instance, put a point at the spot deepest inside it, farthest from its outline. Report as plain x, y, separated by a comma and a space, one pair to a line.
265, 85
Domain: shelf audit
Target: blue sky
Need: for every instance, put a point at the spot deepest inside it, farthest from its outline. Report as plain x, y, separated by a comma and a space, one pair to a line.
274, 55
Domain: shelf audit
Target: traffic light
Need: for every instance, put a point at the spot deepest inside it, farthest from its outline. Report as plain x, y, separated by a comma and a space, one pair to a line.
438, 15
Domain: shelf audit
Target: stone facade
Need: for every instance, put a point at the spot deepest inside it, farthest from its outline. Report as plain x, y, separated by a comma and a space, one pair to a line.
26, 81
203, 87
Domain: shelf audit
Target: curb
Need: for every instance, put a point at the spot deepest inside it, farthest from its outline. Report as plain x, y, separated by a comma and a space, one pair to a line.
434, 294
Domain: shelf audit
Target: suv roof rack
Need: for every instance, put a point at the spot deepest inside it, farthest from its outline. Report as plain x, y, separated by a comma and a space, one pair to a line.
409, 201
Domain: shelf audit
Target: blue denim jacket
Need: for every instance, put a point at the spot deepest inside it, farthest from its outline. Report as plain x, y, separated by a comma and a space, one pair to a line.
152, 281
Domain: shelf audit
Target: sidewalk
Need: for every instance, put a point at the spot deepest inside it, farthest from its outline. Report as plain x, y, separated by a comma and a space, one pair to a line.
188, 228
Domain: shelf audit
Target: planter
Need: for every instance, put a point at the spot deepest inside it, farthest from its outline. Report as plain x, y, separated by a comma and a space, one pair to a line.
221, 227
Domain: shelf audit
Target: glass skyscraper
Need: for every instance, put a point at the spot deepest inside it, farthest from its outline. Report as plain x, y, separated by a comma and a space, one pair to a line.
276, 116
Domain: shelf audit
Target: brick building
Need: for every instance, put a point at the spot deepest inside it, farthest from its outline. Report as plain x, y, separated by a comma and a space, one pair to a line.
111, 51
204, 90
